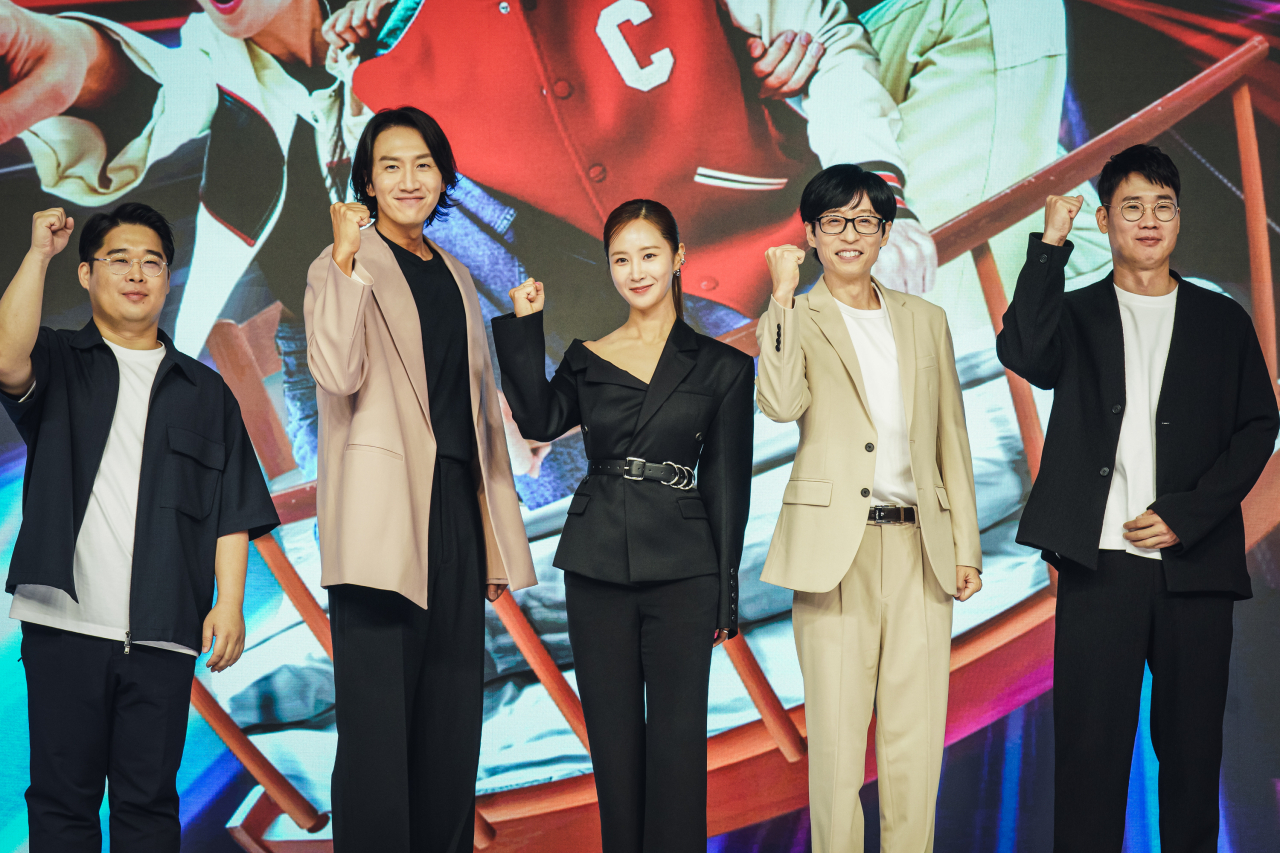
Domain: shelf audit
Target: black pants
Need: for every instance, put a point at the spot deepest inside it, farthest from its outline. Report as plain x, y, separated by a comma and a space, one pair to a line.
1109, 623
631, 644
410, 692
99, 716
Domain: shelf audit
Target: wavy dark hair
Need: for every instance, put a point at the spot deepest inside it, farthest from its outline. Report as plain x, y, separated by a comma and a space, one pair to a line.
94, 233
432, 135
657, 215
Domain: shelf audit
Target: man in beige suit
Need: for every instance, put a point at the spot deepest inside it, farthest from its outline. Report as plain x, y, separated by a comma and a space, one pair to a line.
878, 530
417, 509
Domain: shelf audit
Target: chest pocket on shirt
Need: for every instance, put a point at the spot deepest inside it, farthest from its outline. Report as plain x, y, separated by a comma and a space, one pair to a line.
191, 471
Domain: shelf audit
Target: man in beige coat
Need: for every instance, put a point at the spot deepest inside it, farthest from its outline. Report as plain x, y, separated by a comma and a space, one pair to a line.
878, 530
417, 509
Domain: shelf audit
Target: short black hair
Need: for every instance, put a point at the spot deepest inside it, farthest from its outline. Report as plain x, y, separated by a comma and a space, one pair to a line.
843, 183
432, 135
1145, 160
94, 233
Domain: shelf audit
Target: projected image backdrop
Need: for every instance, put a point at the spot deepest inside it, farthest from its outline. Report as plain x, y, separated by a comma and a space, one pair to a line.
237, 121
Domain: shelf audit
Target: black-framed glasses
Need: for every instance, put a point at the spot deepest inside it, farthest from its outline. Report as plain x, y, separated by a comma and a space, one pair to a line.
1132, 211
121, 266
833, 224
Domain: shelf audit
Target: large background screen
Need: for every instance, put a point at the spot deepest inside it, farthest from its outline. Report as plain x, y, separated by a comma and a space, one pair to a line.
237, 121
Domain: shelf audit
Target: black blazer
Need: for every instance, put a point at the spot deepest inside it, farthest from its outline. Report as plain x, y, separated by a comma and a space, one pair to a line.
1216, 420
696, 411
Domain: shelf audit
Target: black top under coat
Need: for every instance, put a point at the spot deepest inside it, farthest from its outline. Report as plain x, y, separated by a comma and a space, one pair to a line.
444, 347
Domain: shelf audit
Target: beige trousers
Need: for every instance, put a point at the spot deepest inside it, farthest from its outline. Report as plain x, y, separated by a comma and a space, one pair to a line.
880, 640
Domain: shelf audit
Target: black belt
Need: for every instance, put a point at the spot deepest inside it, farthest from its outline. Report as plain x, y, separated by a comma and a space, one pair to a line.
891, 515
631, 468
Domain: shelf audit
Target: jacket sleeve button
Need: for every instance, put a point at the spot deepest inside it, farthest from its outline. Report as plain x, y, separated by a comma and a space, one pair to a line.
1117, 409
1044, 259
1105, 471
870, 447
866, 493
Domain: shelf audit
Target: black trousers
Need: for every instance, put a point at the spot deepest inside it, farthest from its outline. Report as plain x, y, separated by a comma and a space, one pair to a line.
409, 685
1111, 622
98, 716
643, 658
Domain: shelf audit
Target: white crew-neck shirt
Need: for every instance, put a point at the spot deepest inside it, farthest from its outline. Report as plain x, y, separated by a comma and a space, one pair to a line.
1147, 322
103, 562
872, 336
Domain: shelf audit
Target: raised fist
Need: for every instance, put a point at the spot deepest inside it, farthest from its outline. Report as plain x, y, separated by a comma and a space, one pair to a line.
784, 268
354, 23
1059, 211
527, 298
50, 231
348, 219
50, 64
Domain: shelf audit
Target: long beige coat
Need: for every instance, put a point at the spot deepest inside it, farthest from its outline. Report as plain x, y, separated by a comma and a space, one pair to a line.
809, 372
377, 450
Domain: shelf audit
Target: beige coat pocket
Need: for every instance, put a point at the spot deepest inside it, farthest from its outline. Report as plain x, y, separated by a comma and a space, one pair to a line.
942, 497
811, 492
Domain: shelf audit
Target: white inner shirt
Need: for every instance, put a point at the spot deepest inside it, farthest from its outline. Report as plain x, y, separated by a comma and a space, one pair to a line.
1147, 322
103, 563
872, 336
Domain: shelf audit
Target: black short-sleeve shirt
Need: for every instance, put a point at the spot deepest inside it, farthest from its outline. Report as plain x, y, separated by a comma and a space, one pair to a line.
444, 345
200, 478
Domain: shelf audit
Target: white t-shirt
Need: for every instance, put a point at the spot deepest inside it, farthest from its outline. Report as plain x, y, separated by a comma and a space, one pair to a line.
872, 337
1147, 322
103, 563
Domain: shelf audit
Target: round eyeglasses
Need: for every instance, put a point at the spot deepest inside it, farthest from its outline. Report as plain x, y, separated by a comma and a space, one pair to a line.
121, 266
834, 224
1132, 211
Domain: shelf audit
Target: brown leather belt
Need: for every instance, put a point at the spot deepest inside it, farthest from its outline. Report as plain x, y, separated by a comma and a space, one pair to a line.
891, 515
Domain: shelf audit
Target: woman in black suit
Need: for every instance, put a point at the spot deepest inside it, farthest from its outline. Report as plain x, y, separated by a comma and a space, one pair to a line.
650, 550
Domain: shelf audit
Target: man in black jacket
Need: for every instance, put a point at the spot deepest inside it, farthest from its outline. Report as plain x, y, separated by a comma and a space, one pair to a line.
1164, 415
141, 493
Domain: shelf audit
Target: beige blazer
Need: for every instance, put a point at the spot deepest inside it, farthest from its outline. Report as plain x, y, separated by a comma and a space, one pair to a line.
809, 373
377, 451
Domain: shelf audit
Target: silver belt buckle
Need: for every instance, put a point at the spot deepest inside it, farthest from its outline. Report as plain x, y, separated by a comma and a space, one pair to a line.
880, 515
635, 465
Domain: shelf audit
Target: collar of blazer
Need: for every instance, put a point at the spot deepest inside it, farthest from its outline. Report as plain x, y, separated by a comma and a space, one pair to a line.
826, 314
1102, 310
400, 311
679, 355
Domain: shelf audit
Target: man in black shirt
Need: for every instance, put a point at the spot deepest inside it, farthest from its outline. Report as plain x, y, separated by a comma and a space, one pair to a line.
141, 490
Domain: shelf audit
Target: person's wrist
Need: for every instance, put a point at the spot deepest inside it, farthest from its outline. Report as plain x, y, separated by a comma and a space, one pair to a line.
108, 70
785, 297
39, 257
1053, 238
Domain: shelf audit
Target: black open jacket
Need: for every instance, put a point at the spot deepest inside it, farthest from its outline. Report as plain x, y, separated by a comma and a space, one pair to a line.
1216, 421
697, 411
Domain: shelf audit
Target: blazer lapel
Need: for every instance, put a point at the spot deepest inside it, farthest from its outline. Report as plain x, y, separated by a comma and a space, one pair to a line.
902, 319
1181, 340
677, 359
1110, 333
399, 310
828, 318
